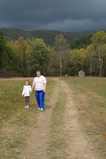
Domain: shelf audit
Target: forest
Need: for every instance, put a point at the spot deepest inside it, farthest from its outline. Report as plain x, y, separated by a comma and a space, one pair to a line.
47, 35
21, 57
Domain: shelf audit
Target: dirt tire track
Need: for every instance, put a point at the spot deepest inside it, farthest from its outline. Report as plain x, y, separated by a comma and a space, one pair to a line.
37, 146
79, 147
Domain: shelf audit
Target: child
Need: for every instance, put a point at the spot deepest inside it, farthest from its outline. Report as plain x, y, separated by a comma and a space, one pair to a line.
26, 92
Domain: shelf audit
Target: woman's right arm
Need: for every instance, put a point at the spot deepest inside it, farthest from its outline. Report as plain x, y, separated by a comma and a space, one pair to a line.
32, 88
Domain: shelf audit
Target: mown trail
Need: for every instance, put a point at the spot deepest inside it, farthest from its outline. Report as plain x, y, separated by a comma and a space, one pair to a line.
37, 145
78, 145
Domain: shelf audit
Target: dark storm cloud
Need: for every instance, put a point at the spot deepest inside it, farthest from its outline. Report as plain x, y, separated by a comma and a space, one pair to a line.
65, 15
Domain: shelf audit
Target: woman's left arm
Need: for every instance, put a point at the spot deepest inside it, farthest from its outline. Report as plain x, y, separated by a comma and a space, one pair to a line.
44, 88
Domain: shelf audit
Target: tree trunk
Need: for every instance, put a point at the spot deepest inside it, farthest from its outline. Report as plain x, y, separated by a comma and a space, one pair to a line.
90, 67
101, 64
22, 58
60, 63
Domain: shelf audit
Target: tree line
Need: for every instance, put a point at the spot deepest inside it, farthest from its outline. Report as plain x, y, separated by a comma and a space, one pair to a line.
23, 56
91, 59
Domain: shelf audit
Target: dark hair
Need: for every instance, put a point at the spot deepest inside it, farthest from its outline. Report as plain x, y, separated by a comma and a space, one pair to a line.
38, 71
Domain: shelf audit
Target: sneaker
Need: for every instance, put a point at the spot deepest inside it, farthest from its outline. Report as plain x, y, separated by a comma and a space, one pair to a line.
27, 106
38, 108
42, 109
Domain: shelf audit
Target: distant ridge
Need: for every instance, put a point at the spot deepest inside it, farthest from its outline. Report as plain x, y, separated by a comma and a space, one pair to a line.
47, 35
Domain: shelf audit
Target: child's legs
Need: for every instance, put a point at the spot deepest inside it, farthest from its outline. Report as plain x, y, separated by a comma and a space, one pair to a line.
42, 97
37, 97
25, 101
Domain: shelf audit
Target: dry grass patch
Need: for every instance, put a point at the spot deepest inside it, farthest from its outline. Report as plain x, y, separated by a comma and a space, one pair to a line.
90, 99
57, 143
16, 122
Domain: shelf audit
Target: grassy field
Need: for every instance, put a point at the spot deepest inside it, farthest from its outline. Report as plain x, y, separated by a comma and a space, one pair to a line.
90, 97
16, 122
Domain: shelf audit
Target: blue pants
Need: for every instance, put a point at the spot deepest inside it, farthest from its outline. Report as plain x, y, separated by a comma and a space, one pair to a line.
40, 96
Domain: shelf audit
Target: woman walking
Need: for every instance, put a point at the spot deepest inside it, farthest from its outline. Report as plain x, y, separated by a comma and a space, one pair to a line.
39, 84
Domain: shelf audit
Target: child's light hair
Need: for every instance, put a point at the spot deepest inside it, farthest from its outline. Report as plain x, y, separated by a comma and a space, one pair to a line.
28, 82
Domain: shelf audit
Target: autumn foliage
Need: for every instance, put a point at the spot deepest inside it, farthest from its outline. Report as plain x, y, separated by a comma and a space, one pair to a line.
23, 56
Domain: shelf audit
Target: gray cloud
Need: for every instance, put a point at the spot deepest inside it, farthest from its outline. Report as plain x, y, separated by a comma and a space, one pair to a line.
69, 15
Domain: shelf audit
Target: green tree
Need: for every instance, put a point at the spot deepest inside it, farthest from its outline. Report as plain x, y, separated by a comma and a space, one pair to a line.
8, 59
91, 59
82, 58
28, 48
53, 62
61, 47
98, 41
74, 57
39, 56
2, 47
104, 63
81, 42
21, 42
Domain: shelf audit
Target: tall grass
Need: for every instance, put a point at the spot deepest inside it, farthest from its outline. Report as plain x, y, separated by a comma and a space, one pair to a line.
90, 97
16, 122
95, 88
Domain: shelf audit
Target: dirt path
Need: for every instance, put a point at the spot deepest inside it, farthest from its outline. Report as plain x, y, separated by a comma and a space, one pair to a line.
36, 147
79, 146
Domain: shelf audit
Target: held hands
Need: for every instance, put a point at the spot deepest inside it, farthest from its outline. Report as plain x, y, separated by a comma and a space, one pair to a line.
44, 90
31, 90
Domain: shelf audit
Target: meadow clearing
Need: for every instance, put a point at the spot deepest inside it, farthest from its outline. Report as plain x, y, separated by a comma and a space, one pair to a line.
74, 115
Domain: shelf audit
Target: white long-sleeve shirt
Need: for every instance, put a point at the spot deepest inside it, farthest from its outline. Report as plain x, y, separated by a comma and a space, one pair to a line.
26, 90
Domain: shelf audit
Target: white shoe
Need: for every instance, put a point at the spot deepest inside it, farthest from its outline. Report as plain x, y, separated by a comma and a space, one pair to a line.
38, 108
42, 109
26, 106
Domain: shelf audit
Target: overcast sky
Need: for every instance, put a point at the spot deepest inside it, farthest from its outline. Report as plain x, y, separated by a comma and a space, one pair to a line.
63, 15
